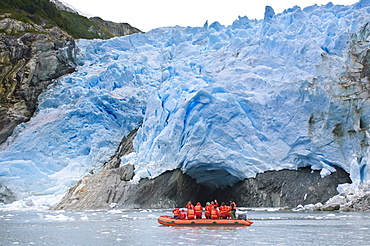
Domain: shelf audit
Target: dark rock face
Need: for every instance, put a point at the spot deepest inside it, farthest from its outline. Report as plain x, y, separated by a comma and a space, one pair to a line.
6, 195
28, 64
361, 204
288, 188
112, 188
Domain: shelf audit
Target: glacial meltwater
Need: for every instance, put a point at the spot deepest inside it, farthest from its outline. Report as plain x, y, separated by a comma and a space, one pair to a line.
140, 227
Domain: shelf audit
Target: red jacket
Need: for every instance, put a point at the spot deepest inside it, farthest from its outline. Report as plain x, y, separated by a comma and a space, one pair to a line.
189, 205
224, 211
182, 215
207, 212
215, 214
191, 214
198, 209
176, 212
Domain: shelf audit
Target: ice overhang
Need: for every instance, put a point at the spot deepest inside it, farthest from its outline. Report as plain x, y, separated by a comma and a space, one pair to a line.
214, 175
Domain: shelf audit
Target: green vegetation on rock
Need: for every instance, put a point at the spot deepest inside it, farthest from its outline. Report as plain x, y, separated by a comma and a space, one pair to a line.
46, 14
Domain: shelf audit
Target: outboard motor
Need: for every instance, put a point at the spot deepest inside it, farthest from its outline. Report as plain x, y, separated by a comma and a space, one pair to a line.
242, 217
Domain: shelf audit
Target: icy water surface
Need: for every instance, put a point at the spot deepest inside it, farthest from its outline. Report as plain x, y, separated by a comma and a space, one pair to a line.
140, 227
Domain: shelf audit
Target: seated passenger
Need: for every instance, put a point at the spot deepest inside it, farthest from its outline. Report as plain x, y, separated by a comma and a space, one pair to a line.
176, 213
224, 211
228, 210
207, 210
191, 213
215, 214
198, 210
182, 215
189, 205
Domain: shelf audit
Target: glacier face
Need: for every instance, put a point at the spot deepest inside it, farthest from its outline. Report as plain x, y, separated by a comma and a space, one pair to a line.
220, 103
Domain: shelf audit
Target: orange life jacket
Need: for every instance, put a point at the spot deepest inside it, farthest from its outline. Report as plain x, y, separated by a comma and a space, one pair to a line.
189, 205
214, 214
233, 206
223, 210
207, 211
182, 216
191, 214
176, 212
198, 209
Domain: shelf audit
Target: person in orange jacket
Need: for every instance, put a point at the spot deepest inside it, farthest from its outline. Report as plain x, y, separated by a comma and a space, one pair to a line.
182, 215
191, 213
214, 213
223, 211
214, 203
228, 211
207, 210
233, 209
198, 210
189, 205
176, 213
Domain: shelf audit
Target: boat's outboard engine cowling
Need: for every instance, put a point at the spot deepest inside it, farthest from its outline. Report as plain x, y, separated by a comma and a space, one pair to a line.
242, 216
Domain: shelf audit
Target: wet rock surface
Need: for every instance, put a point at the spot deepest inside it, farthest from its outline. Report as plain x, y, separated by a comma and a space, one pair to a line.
289, 188
109, 189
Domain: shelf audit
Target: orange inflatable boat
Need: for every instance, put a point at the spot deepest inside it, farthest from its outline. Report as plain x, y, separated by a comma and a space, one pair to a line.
168, 221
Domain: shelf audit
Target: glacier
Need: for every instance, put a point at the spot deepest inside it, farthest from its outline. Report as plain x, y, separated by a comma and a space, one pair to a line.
221, 103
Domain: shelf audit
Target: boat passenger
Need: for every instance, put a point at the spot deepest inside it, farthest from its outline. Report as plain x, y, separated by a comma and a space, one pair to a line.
198, 210
176, 213
215, 215
182, 215
228, 210
189, 205
207, 210
191, 213
216, 203
223, 211
233, 209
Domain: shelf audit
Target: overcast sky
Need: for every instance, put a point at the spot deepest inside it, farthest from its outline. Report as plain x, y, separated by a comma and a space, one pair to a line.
149, 14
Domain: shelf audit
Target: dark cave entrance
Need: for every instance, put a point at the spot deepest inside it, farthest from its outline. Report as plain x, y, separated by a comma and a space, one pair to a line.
207, 194
269, 189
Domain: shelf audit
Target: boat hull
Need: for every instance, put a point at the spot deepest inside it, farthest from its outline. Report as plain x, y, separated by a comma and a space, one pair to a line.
168, 221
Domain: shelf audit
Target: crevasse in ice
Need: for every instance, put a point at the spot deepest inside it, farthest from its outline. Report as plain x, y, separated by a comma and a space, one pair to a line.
220, 103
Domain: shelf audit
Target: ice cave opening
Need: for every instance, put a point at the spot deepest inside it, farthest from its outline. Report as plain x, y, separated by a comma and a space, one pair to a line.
214, 176
213, 182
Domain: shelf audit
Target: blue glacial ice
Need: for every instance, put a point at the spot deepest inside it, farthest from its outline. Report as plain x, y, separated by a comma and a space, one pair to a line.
220, 103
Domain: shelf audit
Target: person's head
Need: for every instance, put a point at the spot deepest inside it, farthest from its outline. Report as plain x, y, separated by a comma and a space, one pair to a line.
212, 203
189, 202
222, 203
198, 203
207, 204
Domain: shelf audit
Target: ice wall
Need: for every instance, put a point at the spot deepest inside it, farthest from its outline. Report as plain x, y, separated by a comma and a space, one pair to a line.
281, 93
221, 103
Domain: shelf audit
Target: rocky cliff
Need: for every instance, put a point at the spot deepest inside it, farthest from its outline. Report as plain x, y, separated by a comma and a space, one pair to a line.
31, 57
114, 29
94, 27
112, 189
